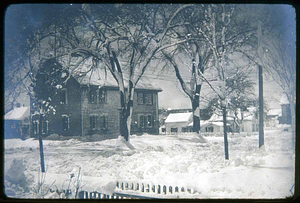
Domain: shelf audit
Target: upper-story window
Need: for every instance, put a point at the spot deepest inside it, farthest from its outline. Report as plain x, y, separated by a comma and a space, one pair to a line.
144, 98
148, 98
63, 96
102, 96
93, 96
140, 98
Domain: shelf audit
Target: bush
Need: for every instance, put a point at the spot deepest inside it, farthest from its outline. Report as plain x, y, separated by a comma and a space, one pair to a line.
15, 176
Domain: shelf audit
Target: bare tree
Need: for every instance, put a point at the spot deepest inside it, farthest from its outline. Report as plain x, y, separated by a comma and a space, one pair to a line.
134, 35
279, 60
219, 31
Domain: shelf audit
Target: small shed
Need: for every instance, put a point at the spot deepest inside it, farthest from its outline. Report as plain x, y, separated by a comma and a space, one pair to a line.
178, 122
17, 123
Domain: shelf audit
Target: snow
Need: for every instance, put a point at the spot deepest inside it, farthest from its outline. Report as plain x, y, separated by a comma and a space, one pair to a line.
179, 117
284, 99
274, 112
17, 113
171, 160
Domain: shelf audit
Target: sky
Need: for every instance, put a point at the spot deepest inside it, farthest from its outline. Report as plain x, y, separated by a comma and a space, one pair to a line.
20, 19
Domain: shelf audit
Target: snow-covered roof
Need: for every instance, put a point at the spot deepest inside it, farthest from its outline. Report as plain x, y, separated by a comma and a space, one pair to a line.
202, 122
103, 77
179, 117
17, 113
220, 124
274, 112
283, 99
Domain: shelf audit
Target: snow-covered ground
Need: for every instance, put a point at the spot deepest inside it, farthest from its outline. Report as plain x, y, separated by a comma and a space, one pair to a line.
172, 160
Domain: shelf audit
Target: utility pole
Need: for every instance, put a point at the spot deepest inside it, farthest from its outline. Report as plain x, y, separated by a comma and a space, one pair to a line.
260, 84
261, 108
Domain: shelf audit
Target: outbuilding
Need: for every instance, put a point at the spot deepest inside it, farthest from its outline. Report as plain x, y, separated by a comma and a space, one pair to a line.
17, 123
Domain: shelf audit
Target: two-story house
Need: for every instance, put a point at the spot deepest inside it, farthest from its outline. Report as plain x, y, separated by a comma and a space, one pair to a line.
90, 104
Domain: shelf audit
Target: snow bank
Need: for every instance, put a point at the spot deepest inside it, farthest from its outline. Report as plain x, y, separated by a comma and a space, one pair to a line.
171, 160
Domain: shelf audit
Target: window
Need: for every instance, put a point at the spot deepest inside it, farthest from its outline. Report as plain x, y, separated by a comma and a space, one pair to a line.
184, 129
63, 96
104, 122
140, 98
174, 130
93, 96
44, 126
148, 98
93, 122
141, 121
209, 129
253, 127
149, 121
35, 127
102, 96
145, 121
163, 130
144, 98
65, 122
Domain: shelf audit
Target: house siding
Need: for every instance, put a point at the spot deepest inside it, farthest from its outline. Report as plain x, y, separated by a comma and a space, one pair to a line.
145, 109
78, 109
110, 109
70, 109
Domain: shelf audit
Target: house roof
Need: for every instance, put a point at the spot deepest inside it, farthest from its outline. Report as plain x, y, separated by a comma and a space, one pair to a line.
202, 122
283, 100
103, 77
17, 113
179, 117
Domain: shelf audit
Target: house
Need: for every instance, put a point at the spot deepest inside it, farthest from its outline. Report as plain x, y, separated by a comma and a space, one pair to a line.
273, 116
178, 123
249, 122
17, 122
215, 123
285, 110
89, 104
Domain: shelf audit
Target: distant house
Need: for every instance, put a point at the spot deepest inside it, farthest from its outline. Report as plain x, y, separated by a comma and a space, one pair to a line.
215, 124
178, 123
285, 110
273, 116
17, 122
90, 104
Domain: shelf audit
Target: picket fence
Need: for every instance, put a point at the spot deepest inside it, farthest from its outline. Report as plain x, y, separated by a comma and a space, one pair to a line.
130, 190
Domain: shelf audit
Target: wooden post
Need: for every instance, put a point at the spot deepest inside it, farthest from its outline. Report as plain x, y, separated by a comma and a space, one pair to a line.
41, 146
225, 133
261, 107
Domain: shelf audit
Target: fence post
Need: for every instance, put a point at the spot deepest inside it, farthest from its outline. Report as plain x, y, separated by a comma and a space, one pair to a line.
164, 189
171, 190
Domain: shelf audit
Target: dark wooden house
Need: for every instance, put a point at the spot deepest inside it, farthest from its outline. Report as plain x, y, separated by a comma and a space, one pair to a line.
90, 104
17, 123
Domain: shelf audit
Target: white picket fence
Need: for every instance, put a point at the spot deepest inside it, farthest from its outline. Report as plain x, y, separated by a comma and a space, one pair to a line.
152, 189
131, 190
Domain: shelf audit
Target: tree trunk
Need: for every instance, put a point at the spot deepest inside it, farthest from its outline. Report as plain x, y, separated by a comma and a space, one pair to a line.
41, 145
196, 110
261, 140
225, 134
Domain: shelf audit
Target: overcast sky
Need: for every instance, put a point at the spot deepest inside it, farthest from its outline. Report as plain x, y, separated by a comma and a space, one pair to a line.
20, 20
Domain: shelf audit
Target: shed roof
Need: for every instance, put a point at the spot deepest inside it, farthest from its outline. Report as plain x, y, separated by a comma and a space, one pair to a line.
17, 113
179, 117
